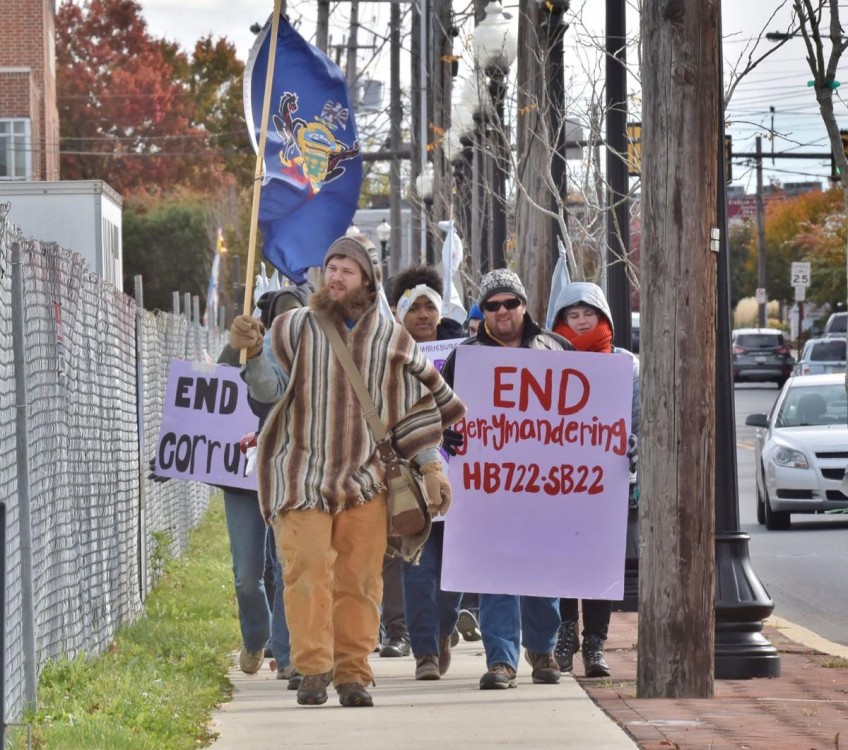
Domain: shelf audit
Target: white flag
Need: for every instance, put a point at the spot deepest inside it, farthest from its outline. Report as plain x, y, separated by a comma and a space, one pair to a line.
452, 255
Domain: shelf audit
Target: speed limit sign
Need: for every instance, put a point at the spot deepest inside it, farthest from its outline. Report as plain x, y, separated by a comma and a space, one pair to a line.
800, 275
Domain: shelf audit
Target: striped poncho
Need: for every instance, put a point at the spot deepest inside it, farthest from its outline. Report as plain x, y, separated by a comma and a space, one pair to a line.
315, 450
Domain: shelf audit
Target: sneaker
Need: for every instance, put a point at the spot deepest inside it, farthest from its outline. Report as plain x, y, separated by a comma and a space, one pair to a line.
354, 695
468, 626
593, 656
396, 647
454, 637
251, 661
545, 668
499, 677
313, 689
567, 644
269, 654
427, 667
444, 654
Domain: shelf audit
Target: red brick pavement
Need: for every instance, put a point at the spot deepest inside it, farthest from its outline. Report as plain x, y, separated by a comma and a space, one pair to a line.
806, 708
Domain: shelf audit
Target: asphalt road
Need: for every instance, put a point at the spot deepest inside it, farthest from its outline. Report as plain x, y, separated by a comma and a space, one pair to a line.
805, 569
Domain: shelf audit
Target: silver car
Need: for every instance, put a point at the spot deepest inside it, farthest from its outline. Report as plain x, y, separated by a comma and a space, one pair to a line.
802, 450
821, 356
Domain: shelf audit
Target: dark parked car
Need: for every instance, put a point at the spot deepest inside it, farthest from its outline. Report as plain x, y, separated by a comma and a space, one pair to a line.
761, 355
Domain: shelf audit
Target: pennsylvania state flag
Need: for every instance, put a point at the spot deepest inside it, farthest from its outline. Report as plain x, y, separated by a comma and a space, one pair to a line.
313, 167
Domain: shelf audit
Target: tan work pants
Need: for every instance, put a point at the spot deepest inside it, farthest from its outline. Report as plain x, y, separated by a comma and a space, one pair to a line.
333, 585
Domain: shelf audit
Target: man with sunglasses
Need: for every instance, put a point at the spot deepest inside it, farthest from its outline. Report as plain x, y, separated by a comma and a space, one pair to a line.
507, 621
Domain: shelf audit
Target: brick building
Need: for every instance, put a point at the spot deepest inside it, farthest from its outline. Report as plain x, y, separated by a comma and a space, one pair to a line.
29, 119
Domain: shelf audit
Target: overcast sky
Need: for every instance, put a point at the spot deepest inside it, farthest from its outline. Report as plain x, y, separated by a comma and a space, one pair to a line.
779, 82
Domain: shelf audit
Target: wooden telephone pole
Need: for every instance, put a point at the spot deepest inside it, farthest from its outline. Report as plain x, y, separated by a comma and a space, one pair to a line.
681, 80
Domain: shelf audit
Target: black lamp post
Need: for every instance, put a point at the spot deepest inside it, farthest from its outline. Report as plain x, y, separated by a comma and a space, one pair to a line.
384, 232
741, 601
618, 214
424, 188
495, 48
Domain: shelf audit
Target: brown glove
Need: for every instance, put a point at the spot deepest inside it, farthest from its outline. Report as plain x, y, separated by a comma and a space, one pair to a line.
247, 332
437, 488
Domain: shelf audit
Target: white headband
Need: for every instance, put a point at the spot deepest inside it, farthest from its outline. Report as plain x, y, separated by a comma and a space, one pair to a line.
410, 295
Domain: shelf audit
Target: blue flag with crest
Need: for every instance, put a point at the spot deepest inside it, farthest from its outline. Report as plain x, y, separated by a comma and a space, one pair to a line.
313, 166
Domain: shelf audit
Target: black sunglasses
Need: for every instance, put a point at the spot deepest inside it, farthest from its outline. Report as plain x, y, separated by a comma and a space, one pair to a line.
494, 306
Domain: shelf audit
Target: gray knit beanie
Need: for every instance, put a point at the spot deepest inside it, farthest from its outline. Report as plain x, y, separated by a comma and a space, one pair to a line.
501, 281
359, 248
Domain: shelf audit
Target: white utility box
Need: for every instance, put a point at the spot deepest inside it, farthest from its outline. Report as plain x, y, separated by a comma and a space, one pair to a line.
80, 215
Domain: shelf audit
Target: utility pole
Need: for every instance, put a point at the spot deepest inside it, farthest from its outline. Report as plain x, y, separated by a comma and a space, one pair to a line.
681, 71
352, 50
395, 114
416, 116
761, 238
322, 29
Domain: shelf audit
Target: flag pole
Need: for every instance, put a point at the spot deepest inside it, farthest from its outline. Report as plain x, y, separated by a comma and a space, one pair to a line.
260, 166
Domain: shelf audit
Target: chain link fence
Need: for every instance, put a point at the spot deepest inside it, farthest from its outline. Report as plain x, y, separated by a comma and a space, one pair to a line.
82, 381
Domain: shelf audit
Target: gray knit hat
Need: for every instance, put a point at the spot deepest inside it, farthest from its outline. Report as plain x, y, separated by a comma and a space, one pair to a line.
501, 281
359, 248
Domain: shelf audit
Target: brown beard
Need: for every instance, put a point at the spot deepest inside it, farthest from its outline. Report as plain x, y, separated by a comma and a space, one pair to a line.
350, 307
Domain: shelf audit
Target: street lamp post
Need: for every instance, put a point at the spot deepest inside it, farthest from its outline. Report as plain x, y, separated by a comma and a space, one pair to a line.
495, 47
424, 188
618, 213
741, 601
384, 233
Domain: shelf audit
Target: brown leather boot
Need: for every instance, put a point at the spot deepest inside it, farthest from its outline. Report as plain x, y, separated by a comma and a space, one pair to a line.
354, 695
313, 689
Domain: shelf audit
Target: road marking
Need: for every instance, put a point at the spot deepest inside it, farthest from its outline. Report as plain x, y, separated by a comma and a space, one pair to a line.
746, 446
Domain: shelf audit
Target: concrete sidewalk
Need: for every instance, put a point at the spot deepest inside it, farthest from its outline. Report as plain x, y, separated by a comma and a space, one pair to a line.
806, 708
447, 713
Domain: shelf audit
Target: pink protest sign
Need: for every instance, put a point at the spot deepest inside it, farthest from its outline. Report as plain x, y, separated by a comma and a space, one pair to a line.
204, 417
540, 488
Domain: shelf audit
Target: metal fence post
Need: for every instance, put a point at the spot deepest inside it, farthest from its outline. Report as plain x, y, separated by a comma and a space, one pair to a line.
195, 310
141, 536
22, 459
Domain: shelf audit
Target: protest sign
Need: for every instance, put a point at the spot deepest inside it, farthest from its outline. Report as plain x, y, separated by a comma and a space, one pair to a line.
540, 485
204, 417
437, 351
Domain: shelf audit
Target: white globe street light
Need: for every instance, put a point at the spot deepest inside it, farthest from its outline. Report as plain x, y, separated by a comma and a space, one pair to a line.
384, 232
495, 43
424, 183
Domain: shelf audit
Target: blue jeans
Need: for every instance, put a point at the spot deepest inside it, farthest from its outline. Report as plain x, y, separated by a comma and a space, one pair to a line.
504, 619
248, 547
279, 641
430, 612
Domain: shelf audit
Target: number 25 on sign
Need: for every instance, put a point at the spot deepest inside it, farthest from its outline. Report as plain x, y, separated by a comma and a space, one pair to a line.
800, 274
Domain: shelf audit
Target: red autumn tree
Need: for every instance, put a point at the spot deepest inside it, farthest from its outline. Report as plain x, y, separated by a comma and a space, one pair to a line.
134, 110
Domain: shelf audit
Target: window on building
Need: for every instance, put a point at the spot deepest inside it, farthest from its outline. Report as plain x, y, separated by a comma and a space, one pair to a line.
15, 149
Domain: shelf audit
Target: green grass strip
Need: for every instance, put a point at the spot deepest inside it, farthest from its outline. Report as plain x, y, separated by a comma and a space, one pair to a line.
157, 684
